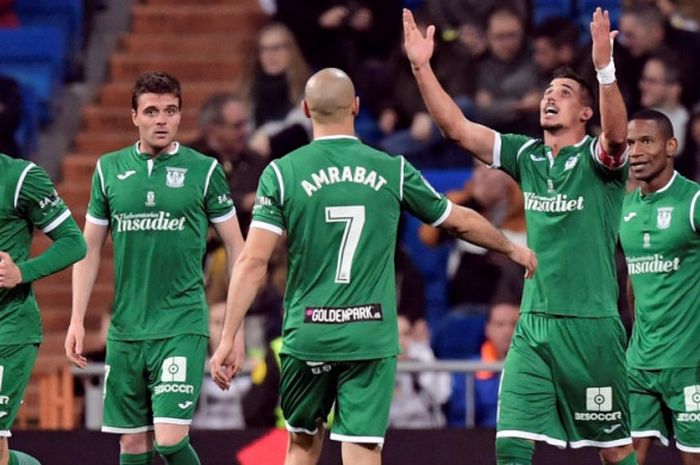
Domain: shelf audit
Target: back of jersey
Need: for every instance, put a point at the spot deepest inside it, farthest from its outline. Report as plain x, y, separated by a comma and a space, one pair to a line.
340, 202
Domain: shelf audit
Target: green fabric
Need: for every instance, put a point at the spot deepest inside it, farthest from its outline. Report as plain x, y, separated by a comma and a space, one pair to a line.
136, 459
181, 453
514, 451
20, 458
68, 247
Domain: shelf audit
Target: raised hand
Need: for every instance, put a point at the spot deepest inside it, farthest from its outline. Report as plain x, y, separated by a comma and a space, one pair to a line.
419, 48
602, 38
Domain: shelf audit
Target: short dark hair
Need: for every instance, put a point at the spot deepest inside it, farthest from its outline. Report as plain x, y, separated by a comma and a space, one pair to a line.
587, 94
560, 31
156, 82
661, 120
503, 8
646, 13
673, 72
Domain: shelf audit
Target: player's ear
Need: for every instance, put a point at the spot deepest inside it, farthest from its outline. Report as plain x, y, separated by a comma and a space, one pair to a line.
671, 147
355, 106
305, 108
586, 114
133, 116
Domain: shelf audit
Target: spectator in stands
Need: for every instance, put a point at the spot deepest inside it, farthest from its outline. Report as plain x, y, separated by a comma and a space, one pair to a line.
661, 89
218, 409
224, 128
507, 97
8, 18
274, 89
688, 163
451, 14
555, 42
10, 115
674, 17
418, 397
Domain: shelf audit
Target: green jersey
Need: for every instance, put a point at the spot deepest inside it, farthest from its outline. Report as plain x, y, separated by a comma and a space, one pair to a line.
158, 210
660, 234
340, 202
28, 199
572, 211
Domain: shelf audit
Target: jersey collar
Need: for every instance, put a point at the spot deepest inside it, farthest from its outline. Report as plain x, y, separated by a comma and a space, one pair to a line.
175, 148
339, 136
663, 189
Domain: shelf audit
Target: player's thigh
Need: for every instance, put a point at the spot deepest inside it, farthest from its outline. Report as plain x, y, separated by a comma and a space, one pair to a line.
16, 363
307, 392
589, 370
649, 416
681, 392
127, 405
365, 391
527, 401
175, 373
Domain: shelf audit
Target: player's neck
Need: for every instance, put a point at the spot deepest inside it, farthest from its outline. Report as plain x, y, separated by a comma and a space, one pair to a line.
659, 182
339, 129
563, 137
155, 151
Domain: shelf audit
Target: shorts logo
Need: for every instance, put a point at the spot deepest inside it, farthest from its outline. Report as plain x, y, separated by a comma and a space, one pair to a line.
599, 399
336, 315
692, 398
174, 370
175, 177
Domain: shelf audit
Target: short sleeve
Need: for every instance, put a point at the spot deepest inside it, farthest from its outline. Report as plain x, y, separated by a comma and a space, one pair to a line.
38, 200
695, 212
217, 195
269, 200
507, 149
98, 208
419, 198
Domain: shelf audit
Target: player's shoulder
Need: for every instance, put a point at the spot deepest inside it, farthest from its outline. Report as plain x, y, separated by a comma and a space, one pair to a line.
686, 184
109, 159
196, 159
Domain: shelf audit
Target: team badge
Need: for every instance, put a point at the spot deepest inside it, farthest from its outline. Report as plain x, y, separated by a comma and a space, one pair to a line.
175, 177
570, 163
663, 217
150, 199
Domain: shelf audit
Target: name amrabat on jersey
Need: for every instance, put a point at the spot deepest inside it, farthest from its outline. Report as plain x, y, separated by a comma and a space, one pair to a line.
652, 264
335, 174
559, 203
160, 221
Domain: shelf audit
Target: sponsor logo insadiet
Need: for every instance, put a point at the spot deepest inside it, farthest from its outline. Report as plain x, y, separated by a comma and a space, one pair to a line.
560, 203
652, 264
152, 221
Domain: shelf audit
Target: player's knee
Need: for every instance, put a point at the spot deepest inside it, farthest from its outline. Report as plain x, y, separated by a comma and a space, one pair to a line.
170, 435
514, 451
302, 440
136, 443
623, 455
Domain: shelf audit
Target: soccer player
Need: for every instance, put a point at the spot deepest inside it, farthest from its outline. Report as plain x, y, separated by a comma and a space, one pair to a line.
28, 200
156, 197
339, 202
564, 376
660, 235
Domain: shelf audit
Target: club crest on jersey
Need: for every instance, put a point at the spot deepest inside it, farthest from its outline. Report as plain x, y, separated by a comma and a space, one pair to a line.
663, 217
150, 199
570, 163
175, 177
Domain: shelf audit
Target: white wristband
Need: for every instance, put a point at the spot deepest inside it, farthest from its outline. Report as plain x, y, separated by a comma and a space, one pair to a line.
606, 75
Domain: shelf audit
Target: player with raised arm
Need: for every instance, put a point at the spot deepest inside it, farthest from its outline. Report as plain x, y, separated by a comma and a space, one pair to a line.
339, 202
564, 377
28, 200
157, 198
660, 235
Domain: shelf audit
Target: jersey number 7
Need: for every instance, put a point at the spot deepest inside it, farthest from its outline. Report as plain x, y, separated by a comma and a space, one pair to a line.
354, 218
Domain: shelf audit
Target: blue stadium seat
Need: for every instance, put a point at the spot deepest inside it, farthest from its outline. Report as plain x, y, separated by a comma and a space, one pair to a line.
459, 335
543, 9
64, 15
34, 56
28, 132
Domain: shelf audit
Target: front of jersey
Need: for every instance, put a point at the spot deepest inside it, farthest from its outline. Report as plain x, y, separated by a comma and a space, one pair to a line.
660, 234
158, 210
28, 199
340, 202
572, 210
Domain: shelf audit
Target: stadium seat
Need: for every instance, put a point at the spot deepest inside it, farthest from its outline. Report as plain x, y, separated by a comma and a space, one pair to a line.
28, 132
64, 15
34, 57
459, 335
543, 9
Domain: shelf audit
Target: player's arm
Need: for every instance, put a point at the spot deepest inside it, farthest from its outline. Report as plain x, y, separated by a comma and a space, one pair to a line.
230, 233
83, 279
613, 114
630, 298
470, 226
474, 137
248, 277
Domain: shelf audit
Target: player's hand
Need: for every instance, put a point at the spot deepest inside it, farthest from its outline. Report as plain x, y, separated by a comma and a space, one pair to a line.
223, 365
525, 257
10, 275
602, 38
74, 345
419, 48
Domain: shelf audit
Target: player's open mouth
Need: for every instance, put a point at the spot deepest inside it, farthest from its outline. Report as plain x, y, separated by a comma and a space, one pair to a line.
550, 110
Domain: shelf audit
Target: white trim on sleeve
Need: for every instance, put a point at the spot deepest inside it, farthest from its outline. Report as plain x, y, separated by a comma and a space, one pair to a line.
268, 226
279, 181
211, 170
401, 176
95, 220
102, 178
692, 211
20, 181
443, 217
496, 154
54, 224
224, 217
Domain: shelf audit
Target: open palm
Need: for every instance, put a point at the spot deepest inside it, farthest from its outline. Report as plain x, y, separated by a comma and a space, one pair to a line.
419, 48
